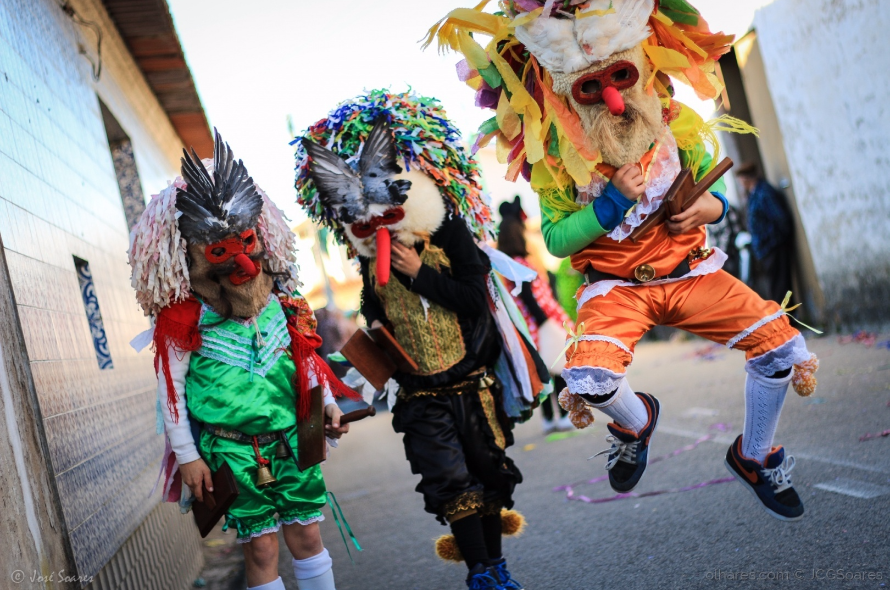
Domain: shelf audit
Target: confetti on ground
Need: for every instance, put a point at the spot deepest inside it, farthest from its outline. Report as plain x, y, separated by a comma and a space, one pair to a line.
214, 543
555, 436
863, 337
529, 447
711, 352
869, 436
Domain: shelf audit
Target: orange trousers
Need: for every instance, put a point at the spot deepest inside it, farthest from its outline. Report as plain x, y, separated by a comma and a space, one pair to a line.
715, 306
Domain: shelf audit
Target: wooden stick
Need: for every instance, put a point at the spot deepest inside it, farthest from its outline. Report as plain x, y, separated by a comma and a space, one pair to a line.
660, 215
356, 415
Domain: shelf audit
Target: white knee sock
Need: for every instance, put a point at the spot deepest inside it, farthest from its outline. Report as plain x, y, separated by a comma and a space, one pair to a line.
273, 585
625, 408
315, 573
763, 404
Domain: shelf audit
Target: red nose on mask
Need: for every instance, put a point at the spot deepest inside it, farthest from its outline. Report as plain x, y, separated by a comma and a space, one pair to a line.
247, 270
384, 254
604, 85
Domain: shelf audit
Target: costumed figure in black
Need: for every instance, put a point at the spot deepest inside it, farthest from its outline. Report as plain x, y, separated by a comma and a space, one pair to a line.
388, 175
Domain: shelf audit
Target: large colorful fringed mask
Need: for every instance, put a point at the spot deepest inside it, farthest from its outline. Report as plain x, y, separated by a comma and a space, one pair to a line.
577, 84
387, 166
215, 233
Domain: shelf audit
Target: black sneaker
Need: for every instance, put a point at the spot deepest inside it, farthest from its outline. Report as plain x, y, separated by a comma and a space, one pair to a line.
506, 580
770, 482
483, 577
630, 450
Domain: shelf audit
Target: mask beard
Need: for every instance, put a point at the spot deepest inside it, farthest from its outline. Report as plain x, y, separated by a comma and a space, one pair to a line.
211, 283
626, 138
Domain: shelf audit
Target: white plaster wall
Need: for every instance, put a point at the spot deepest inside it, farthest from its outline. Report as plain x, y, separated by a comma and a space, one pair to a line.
829, 74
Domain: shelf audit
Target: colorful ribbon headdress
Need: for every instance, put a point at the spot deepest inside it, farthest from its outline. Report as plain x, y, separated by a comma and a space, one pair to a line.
538, 133
424, 139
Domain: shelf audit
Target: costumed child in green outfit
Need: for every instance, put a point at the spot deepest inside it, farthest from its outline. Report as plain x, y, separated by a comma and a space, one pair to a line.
213, 263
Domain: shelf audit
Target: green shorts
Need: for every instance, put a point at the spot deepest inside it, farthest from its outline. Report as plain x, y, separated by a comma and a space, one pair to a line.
295, 498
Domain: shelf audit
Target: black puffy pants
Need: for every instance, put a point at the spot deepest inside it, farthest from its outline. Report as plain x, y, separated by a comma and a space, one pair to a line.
449, 441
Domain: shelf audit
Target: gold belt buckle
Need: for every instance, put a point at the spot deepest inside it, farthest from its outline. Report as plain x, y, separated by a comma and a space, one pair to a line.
644, 273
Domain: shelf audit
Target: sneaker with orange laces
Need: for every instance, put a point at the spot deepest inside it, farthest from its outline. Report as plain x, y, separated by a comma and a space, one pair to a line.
629, 455
770, 481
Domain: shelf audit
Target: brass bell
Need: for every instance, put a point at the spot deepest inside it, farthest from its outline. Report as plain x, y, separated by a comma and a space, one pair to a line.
281, 451
264, 476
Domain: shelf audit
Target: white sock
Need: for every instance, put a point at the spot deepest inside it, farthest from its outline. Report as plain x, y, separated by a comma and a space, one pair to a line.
625, 408
763, 404
315, 573
273, 585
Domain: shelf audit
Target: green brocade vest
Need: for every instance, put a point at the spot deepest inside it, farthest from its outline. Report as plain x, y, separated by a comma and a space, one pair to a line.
431, 336
240, 378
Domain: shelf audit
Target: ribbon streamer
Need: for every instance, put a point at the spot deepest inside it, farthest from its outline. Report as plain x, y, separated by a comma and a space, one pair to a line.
715, 428
335, 507
572, 342
787, 309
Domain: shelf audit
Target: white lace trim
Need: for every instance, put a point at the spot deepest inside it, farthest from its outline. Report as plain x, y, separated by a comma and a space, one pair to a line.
265, 531
784, 357
709, 266
277, 527
665, 168
592, 380
600, 338
306, 522
750, 330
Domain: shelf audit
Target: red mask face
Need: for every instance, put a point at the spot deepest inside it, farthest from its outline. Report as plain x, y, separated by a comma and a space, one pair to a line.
221, 251
239, 248
589, 89
365, 229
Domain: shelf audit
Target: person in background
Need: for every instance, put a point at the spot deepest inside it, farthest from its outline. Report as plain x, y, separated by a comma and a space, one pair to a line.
771, 228
544, 316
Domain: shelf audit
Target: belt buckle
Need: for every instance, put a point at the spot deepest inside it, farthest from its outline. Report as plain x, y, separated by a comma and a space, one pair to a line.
644, 273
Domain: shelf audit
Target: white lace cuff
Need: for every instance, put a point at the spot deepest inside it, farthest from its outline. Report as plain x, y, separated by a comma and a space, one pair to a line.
779, 359
592, 380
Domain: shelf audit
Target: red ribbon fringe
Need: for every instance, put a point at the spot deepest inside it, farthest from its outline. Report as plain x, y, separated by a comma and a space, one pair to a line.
177, 327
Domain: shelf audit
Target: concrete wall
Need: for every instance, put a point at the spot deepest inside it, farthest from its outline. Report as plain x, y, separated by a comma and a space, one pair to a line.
829, 76
59, 198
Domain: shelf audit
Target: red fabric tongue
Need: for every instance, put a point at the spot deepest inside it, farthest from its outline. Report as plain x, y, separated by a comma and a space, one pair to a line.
384, 252
247, 265
613, 100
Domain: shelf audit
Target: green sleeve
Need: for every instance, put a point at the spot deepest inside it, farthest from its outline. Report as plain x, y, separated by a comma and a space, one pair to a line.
572, 233
707, 162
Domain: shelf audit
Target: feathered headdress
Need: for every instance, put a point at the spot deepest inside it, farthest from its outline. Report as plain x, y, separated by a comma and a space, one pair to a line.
424, 139
538, 133
158, 242
218, 206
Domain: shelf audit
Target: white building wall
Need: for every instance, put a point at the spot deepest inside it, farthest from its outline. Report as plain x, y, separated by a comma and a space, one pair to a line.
59, 198
829, 75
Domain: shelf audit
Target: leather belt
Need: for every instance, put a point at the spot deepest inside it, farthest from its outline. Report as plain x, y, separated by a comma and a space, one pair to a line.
238, 436
642, 274
476, 381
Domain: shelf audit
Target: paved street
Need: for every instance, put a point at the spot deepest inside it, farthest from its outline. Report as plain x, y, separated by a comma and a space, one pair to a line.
673, 540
